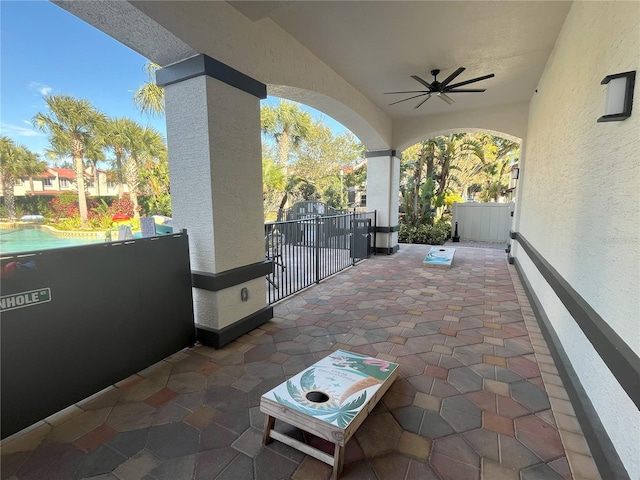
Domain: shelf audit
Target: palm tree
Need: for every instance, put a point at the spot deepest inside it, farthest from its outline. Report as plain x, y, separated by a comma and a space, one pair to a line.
71, 123
94, 153
465, 173
16, 161
430, 174
117, 138
288, 125
501, 153
10, 158
143, 145
149, 98
32, 166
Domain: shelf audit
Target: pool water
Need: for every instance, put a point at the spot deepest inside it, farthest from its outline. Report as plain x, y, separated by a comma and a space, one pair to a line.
27, 239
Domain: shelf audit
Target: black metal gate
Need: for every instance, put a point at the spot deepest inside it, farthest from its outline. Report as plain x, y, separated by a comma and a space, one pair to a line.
308, 250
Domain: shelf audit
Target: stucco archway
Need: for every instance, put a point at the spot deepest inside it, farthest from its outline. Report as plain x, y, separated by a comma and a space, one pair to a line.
335, 109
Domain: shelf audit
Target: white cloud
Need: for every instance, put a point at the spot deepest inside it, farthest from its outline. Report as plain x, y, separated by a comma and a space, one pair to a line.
41, 88
18, 131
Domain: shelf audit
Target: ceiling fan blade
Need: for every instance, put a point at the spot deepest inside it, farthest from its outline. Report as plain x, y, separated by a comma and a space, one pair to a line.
447, 80
415, 96
471, 81
467, 90
408, 91
446, 98
423, 82
420, 104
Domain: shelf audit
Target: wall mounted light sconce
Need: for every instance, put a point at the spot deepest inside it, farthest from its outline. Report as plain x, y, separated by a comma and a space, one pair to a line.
619, 96
515, 173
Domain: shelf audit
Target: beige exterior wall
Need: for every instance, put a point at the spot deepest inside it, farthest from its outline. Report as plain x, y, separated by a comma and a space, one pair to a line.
265, 52
213, 132
23, 187
579, 200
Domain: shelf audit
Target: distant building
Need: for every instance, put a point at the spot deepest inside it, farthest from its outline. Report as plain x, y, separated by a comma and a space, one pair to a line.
57, 181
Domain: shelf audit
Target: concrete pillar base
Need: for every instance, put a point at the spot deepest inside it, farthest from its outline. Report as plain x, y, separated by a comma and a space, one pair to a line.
218, 338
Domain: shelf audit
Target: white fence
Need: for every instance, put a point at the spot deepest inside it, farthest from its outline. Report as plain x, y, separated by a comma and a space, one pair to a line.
483, 222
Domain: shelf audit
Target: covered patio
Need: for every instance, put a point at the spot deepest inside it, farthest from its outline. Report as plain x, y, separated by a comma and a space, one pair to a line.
478, 396
476, 377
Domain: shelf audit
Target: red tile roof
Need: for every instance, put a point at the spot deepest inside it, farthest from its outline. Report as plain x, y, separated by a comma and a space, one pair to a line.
63, 173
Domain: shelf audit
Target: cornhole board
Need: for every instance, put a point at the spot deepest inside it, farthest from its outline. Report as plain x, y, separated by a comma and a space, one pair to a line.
439, 257
330, 399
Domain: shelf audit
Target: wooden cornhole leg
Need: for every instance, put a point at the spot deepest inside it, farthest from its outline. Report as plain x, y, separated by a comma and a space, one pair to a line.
338, 461
269, 422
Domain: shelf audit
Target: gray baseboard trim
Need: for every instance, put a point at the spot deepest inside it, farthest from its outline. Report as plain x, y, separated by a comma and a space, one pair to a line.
604, 453
621, 360
214, 282
387, 250
219, 338
383, 153
391, 229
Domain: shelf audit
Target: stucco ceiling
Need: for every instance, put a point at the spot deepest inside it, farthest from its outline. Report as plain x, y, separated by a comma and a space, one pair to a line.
369, 47
377, 46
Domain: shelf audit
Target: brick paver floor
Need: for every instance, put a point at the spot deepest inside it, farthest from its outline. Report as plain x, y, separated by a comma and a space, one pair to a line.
478, 396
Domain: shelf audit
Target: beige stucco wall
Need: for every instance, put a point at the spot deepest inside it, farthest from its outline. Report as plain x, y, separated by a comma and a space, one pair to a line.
504, 120
213, 133
265, 52
170, 31
579, 201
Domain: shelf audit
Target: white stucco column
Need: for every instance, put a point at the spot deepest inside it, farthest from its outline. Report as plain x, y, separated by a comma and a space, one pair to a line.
383, 186
213, 130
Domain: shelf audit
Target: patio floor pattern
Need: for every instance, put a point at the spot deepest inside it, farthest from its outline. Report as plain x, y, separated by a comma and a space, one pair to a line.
478, 396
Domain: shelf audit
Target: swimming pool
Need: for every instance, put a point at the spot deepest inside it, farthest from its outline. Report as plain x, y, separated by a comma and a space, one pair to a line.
16, 240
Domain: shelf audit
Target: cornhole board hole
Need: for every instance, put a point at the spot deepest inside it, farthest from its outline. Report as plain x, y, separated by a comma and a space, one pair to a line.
439, 257
330, 399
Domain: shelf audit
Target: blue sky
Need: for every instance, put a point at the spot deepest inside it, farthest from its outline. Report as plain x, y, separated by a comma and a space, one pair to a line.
47, 51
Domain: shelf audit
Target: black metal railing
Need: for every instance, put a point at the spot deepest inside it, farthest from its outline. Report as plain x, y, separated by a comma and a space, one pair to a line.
308, 250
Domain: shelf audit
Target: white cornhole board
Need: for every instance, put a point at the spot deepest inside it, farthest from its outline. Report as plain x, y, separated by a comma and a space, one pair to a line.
439, 257
330, 399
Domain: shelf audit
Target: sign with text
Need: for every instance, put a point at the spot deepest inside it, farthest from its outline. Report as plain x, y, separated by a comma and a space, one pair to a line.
25, 299
147, 227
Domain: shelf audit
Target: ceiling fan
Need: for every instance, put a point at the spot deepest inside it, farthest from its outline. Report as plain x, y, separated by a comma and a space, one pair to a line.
441, 89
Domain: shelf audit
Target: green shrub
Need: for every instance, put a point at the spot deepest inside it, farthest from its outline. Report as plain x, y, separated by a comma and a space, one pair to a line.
428, 234
70, 223
445, 223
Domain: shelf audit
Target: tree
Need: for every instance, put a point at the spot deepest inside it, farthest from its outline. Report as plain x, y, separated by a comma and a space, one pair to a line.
154, 185
149, 98
117, 138
427, 177
32, 166
94, 153
293, 187
501, 153
273, 182
16, 161
71, 123
10, 170
143, 145
324, 158
288, 125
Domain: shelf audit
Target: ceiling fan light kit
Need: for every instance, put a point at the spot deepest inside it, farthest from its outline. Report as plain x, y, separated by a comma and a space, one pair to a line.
441, 89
